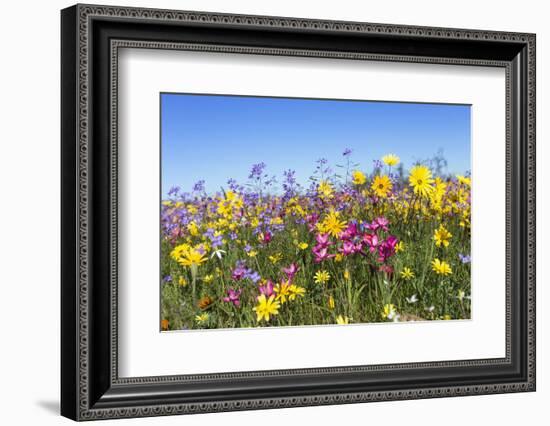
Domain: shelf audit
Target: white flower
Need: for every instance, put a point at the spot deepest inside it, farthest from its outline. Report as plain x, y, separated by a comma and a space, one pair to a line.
462, 295
392, 314
431, 308
412, 299
217, 253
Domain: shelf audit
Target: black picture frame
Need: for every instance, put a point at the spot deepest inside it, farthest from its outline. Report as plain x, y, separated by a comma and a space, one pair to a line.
90, 386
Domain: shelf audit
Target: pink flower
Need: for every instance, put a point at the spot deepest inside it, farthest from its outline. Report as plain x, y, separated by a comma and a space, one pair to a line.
233, 296
323, 240
266, 289
382, 222
379, 222
349, 248
291, 271
372, 241
321, 253
387, 248
350, 232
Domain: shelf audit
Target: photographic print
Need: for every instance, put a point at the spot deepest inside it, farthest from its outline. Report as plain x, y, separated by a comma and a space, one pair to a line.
279, 212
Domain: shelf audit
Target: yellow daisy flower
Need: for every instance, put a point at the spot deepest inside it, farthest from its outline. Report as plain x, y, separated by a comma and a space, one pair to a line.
442, 236
407, 273
266, 307
358, 177
321, 277
420, 178
441, 267
381, 185
325, 189
391, 160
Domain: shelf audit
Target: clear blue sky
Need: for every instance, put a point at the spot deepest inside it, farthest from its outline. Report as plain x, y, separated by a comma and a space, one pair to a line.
219, 137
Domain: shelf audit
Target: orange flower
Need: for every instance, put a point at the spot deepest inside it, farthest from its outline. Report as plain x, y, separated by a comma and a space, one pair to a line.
205, 302
164, 325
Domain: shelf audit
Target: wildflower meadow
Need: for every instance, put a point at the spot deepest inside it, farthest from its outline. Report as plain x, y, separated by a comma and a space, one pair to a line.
357, 244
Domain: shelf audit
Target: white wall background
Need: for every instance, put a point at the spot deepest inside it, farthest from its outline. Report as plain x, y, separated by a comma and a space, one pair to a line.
29, 212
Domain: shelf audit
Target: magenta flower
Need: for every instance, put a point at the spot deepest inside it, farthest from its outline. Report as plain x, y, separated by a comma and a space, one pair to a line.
349, 248
266, 237
233, 296
266, 289
323, 240
386, 248
312, 218
371, 240
321, 253
379, 222
383, 223
350, 232
291, 271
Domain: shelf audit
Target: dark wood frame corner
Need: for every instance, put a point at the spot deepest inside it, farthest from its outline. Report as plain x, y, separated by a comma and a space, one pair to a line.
90, 38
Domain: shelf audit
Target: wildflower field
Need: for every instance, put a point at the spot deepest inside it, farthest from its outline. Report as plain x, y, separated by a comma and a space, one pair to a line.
356, 246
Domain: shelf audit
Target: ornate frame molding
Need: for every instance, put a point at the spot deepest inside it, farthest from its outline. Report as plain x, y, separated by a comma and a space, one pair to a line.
79, 21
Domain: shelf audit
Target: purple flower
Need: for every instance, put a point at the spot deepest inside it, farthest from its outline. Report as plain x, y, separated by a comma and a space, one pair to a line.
239, 272
234, 186
167, 278
233, 296
174, 191
253, 276
198, 186
377, 164
347, 152
257, 171
290, 186
217, 241
464, 258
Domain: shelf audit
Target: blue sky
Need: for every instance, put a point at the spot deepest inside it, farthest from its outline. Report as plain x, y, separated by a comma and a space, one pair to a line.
215, 137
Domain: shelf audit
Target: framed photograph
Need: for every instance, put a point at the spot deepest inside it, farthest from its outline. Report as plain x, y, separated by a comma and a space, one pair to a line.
263, 212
